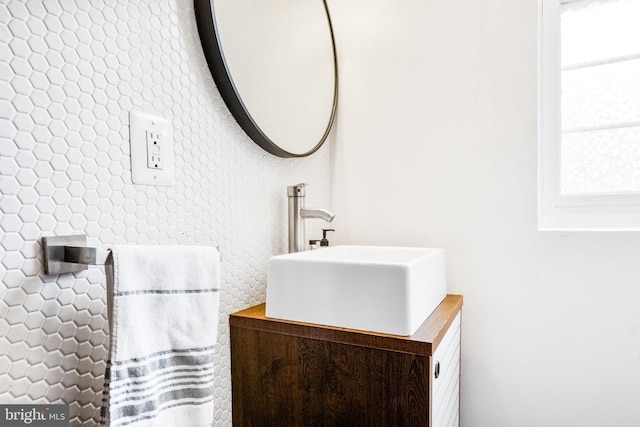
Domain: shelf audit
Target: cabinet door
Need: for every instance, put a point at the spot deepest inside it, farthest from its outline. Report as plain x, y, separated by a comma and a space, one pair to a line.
446, 379
284, 380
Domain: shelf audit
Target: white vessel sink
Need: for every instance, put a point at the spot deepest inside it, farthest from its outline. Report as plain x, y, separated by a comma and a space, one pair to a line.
390, 290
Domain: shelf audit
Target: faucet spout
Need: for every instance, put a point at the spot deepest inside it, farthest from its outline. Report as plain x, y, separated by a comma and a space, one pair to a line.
317, 213
297, 215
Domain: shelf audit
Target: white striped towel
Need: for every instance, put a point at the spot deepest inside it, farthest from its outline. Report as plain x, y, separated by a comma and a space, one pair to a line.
163, 314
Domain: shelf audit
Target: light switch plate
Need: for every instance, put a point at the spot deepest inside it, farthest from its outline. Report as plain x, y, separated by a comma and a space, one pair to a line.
151, 149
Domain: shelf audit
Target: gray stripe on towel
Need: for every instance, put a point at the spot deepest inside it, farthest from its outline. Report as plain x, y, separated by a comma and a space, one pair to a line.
151, 392
141, 411
132, 386
151, 368
122, 399
160, 353
167, 292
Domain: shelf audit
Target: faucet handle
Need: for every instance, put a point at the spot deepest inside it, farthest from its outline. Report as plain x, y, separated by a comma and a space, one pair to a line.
296, 190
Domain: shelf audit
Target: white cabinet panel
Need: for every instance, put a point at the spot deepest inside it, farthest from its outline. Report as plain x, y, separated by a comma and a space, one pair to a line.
445, 394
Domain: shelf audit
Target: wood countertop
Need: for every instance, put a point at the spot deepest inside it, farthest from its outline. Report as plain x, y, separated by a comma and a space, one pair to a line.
423, 342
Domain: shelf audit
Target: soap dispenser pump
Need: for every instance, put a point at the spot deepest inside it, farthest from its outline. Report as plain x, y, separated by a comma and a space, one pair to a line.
324, 241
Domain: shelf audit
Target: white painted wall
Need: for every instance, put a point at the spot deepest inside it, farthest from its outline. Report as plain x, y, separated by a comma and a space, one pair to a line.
436, 146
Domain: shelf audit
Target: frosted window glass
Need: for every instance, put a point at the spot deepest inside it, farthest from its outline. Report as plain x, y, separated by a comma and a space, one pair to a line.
600, 100
598, 29
601, 161
600, 96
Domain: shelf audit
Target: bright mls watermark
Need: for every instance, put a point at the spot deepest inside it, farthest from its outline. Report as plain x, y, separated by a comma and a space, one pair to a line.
34, 415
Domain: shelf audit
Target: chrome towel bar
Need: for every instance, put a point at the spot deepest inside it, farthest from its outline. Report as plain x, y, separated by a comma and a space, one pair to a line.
70, 254
86, 255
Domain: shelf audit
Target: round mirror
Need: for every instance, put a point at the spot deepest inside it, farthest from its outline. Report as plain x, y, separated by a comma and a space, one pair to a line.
274, 62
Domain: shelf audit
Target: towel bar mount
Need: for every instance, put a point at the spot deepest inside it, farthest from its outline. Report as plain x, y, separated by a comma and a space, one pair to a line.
70, 254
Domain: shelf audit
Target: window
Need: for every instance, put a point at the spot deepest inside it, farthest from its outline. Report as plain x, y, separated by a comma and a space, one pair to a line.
589, 115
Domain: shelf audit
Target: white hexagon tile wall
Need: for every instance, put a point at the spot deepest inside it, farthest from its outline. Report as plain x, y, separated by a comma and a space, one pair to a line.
70, 73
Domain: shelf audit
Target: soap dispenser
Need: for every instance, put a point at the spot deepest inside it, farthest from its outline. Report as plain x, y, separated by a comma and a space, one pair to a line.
324, 241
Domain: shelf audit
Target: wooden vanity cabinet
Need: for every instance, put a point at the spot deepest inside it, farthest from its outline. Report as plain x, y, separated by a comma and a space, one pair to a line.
298, 374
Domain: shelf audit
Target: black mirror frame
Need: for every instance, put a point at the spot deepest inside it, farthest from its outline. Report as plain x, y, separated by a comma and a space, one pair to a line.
215, 59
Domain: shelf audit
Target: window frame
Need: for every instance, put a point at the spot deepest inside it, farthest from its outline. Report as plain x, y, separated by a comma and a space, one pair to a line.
599, 212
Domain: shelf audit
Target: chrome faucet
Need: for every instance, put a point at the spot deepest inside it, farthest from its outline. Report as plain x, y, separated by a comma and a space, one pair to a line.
297, 215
